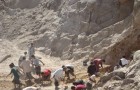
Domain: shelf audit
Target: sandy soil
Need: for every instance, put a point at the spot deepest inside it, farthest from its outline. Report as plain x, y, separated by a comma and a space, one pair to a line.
52, 63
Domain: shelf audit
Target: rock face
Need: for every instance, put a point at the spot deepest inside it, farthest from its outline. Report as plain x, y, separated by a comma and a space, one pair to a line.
128, 41
90, 16
127, 46
128, 77
70, 29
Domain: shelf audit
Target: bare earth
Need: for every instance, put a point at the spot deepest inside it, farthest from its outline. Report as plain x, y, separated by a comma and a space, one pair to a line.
50, 62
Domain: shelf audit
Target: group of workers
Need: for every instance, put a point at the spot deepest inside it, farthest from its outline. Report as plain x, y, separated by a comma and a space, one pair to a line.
26, 63
29, 63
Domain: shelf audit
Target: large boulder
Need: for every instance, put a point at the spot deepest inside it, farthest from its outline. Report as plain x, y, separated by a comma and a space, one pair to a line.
117, 75
136, 55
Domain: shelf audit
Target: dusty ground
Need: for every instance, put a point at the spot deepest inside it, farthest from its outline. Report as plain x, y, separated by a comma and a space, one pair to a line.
50, 62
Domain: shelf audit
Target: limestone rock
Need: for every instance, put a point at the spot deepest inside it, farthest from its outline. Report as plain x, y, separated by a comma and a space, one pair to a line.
56, 24
136, 55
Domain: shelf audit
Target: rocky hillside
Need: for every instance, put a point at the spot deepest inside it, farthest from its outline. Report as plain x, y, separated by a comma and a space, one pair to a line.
70, 29
73, 29
126, 78
123, 79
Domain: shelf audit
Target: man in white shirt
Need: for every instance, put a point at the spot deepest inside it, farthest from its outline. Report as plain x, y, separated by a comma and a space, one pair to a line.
58, 76
123, 61
26, 66
31, 50
36, 64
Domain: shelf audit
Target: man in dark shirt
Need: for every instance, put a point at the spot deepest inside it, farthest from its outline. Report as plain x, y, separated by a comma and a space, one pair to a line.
14, 71
91, 69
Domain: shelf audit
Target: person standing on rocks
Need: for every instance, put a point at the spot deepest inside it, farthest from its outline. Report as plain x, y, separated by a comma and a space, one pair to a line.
16, 80
26, 66
31, 50
21, 58
91, 69
35, 63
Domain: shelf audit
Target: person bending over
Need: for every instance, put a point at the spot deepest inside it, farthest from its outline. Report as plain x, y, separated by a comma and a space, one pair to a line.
69, 70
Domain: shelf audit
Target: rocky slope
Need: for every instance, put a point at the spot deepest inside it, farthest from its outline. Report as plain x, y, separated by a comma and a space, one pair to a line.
126, 78
70, 29
73, 29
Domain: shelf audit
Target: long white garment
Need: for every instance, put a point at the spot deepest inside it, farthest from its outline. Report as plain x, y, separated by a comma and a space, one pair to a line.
124, 61
26, 66
58, 74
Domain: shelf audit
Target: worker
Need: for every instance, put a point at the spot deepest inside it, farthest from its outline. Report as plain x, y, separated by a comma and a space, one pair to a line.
69, 70
98, 63
91, 69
